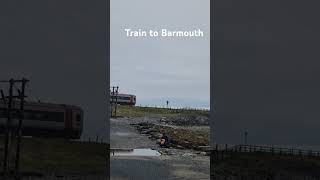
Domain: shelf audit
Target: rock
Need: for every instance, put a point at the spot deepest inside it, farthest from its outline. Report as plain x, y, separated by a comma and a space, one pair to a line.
158, 135
188, 155
203, 153
179, 147
171, 153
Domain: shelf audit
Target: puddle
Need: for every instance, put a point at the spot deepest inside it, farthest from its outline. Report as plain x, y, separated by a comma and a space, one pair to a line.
123, 134
134, 152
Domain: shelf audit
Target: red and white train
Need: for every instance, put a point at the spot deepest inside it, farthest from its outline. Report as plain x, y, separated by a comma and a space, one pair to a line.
45, 119
123, 99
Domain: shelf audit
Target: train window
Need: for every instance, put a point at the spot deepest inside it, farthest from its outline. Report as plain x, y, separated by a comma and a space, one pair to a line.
124, 98
56, 116
36, 115
44, 116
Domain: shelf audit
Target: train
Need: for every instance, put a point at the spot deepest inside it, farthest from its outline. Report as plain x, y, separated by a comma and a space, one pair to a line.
123, 99
44, 119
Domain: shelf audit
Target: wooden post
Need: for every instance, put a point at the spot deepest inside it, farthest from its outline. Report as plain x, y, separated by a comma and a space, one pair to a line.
8, 129
112, 101
217, 151
22, 96
115, 109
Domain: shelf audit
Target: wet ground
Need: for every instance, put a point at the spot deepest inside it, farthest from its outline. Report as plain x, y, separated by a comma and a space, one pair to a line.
172, 164
136, 152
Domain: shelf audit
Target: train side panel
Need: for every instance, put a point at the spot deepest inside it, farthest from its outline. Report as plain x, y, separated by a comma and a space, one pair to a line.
46, 120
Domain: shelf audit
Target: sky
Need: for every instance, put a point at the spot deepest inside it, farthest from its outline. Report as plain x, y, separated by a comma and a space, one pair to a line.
157, 70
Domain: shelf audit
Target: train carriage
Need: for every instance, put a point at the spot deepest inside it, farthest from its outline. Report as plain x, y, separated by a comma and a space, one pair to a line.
123, 99
45, 119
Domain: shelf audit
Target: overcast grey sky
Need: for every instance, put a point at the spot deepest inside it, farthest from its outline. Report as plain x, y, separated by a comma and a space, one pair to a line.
155, 70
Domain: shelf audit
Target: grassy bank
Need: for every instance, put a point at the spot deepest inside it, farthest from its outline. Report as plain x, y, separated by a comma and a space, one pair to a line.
180, 137
137, 111
59, 156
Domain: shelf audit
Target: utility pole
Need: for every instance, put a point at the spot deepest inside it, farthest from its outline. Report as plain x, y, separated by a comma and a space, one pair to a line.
8, 129
112, 101
9, 133
115, 108
245, 137
19, 131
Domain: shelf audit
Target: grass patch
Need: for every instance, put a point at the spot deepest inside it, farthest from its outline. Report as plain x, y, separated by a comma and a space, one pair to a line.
60, 156
137, 111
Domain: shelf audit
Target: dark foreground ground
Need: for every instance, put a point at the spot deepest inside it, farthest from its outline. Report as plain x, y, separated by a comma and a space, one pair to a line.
42, 157
258, 166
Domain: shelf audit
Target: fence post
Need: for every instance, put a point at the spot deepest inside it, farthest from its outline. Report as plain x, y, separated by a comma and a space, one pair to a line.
216, 152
